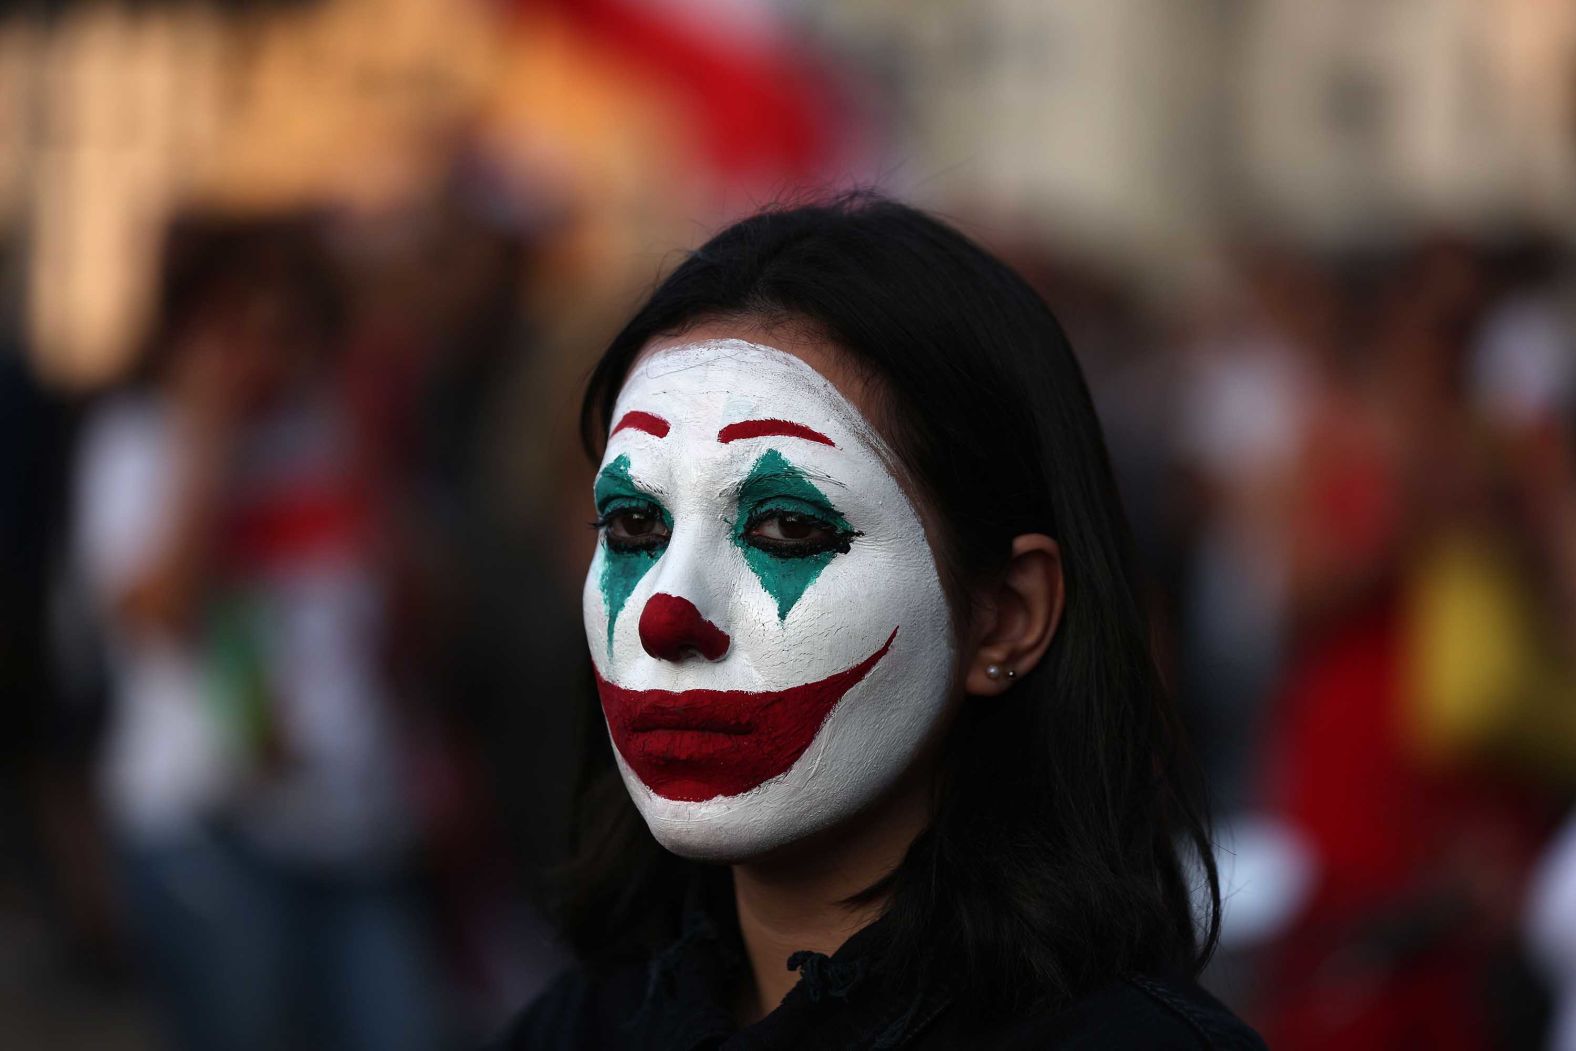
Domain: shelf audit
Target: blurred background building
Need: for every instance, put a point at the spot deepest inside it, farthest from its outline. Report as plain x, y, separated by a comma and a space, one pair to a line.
295, 300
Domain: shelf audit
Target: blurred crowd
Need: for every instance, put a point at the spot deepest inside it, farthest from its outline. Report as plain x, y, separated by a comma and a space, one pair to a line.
259, 600
1355, 481
289, 602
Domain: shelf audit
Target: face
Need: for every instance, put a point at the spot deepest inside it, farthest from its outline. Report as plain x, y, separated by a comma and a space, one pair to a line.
770, 636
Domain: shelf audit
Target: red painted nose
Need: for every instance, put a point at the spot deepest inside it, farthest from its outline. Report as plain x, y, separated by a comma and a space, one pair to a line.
671, 628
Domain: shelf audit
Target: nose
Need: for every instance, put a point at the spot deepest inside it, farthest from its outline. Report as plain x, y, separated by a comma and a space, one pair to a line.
671, 628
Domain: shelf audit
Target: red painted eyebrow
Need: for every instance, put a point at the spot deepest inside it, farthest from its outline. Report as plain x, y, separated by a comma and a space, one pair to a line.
642, 421
763, 428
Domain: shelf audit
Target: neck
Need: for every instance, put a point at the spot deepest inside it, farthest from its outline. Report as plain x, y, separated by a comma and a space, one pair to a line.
798, 898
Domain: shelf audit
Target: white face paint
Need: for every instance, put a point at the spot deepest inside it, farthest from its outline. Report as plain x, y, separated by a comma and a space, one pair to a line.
764, 611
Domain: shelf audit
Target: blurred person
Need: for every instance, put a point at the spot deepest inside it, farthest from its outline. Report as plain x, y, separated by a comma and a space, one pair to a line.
875, 683
1494, 593
1247, 393
445, 341
1272, 430
1522, 381
228, 532
1421, 850
1262, 416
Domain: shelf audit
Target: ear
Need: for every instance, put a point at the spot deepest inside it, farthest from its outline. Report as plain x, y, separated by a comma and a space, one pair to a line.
1018, 618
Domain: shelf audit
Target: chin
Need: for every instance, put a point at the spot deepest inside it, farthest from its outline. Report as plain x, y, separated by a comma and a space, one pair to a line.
732, 829
699, 840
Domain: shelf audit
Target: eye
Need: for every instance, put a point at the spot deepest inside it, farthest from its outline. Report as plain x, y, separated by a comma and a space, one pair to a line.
634, 527
794, 534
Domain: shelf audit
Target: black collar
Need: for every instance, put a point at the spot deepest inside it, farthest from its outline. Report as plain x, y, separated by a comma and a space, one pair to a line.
838, 1001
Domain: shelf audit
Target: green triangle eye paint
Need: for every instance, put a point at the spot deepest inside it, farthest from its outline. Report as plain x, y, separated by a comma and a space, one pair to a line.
623, 570
774, 484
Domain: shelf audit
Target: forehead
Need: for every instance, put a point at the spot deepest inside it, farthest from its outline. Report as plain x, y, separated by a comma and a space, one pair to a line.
727, 390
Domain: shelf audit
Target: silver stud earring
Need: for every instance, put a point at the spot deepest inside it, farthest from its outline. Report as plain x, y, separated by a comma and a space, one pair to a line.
992, 671
1012, 673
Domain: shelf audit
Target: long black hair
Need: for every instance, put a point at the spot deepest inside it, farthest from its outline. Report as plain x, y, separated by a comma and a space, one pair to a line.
1067, 837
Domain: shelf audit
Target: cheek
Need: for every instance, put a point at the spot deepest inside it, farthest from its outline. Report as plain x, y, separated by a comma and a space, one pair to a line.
878, 581
593, 602
855, 602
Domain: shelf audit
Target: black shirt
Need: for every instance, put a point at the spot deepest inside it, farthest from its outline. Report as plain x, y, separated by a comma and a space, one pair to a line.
678, 1001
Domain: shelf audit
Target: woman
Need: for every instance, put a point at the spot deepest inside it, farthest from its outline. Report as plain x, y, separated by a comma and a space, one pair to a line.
872, 659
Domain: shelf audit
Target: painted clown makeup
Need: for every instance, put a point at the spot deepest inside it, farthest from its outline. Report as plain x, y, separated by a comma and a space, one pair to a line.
771, 639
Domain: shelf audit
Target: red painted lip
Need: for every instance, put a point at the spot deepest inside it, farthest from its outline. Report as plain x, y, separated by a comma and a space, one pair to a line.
701, 744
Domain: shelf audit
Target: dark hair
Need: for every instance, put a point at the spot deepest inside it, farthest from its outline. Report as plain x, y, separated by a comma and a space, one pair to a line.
1066, 809
212, 261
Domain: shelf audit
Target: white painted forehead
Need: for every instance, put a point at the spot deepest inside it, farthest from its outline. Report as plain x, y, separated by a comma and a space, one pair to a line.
735, 376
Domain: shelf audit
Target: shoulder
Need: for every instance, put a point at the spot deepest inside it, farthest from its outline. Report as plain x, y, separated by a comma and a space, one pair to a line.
1136, 1012
1185, 1007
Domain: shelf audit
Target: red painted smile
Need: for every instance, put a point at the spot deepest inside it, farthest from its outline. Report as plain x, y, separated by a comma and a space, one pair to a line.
700, 744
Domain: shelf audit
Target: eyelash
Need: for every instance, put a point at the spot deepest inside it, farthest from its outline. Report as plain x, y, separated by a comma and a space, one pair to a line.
839, 539
835, 539
648, 545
